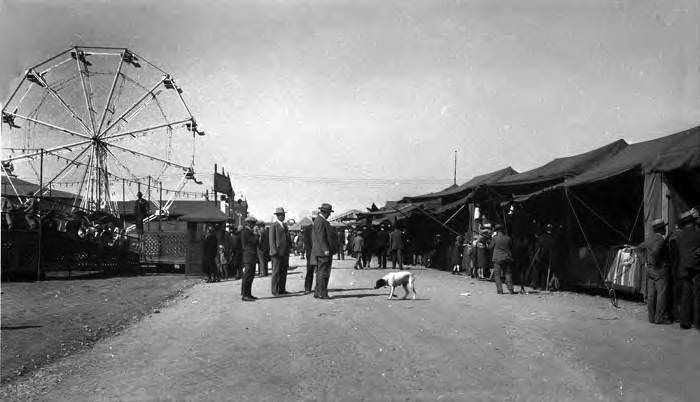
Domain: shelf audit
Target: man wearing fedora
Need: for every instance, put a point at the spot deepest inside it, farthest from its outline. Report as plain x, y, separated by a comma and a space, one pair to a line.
502, 257
280, 244
323, 248
396, 248
688, 249
658, 269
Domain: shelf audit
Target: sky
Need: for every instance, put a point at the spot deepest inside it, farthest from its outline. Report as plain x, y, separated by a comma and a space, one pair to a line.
360, 102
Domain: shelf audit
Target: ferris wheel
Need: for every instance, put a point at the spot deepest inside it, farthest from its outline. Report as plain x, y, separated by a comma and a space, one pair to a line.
98, 121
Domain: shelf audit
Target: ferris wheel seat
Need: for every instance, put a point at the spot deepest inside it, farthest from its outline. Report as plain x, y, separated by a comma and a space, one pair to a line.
35, 78
9, 120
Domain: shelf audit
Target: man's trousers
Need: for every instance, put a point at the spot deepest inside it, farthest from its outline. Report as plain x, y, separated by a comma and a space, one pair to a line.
690, 300
500, 267
657, 299
278, 282
323, 275
396, 256
247, 280
262, 263
310, 269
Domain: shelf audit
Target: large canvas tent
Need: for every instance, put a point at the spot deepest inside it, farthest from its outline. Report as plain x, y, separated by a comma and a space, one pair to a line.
555, 171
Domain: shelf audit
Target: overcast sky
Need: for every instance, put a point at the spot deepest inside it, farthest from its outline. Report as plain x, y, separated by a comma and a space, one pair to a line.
365, 90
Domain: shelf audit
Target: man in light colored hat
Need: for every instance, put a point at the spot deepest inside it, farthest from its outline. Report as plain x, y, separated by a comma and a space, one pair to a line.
658, 269
280, 244
323, 248
688, 248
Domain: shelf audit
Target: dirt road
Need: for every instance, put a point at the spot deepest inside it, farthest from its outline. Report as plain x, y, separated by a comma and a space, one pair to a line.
359, 346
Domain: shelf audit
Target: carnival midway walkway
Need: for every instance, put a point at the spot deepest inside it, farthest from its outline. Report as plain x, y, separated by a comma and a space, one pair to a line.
459, 341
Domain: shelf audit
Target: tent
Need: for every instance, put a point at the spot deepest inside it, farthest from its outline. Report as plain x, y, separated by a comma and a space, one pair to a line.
453, 192
555, 171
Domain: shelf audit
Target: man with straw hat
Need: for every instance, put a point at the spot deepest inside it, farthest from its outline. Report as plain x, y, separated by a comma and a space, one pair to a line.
280, 244
323, 248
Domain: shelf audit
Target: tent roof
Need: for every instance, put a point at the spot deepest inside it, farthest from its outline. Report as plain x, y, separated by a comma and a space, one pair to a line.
642, 155
557, 170
683, 153
23, 187
207, 212
476, 181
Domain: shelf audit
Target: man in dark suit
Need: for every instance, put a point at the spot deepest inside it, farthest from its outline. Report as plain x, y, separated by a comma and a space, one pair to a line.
502, 258
368, 235
249, 245
210, 247
323, 248
307, 234
657, 266
341, 244
280, 244
396, 248
688, 249
381, 243
263, 248
141, 211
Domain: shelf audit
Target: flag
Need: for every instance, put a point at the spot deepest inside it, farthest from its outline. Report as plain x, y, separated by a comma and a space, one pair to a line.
222, 184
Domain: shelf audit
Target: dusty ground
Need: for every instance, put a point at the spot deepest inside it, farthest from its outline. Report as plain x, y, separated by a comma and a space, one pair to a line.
359, 346
43, 321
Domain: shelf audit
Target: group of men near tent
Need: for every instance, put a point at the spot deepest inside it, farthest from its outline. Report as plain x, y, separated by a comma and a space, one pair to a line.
672, 267
367, 242
237, 251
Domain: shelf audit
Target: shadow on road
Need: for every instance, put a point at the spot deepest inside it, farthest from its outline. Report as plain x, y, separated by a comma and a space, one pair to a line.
357, 296
347, 290
15, 327
293, 294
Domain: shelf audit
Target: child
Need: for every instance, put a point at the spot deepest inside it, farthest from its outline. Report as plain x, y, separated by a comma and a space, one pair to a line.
456, 255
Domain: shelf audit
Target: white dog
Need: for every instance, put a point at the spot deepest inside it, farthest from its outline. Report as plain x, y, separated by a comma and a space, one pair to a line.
394, 279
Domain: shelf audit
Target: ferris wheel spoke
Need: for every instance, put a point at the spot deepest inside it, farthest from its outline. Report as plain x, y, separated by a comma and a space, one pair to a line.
132, 107
68, 147
127, 119
141, 130
49, 125
84, 74
111, 92
42, 83
155, 158
71, 163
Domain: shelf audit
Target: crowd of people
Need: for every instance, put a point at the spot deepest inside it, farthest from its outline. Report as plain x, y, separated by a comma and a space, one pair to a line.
672, 260
236, 252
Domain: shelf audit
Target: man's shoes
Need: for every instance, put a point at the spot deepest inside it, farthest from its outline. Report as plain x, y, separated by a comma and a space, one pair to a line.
315, 296
247, 299
500, 292
325, 297
253, 297
665, 322
275, 294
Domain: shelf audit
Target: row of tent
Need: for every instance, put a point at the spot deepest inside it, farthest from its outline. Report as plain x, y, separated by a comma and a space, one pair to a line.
599, 200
